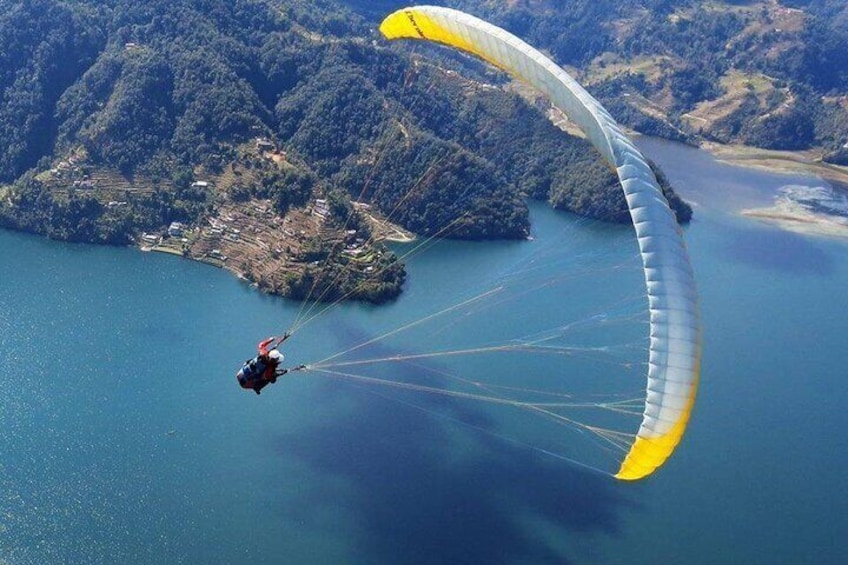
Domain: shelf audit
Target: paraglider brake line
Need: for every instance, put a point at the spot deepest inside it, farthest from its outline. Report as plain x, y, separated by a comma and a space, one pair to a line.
281, 340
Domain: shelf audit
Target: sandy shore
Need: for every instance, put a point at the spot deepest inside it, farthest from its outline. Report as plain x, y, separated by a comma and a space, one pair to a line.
388, 231
791, 162
787, 213
794, 217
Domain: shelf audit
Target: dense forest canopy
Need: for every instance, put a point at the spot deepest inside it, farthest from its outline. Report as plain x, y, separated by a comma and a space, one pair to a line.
159, 90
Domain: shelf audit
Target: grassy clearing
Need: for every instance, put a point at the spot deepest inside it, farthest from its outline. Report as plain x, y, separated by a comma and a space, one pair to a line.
609, 65
737, 86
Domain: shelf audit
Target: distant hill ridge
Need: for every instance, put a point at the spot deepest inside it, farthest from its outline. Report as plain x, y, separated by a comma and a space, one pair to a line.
766, 73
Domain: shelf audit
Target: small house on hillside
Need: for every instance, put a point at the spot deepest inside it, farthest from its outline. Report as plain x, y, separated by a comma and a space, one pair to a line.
264, 144
321, 208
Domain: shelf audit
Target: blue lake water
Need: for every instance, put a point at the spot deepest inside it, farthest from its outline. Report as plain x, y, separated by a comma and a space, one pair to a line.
125, 439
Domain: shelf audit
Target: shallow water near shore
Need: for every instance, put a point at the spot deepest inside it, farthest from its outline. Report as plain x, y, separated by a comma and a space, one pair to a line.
124, 438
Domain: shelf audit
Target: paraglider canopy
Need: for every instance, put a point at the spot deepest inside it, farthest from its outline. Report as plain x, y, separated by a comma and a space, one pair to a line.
675, 326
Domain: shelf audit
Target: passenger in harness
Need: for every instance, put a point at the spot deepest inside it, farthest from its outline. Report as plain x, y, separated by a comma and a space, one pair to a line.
263, 369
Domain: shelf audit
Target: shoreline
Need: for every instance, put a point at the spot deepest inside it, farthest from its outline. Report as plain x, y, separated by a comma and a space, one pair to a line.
791, 216
806, 162
265, 250
785, 213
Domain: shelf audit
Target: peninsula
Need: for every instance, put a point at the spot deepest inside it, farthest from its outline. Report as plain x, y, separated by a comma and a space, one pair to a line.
285, 141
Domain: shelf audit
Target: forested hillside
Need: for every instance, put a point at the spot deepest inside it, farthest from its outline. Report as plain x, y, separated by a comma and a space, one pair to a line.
120, 117
766, 73
156, 90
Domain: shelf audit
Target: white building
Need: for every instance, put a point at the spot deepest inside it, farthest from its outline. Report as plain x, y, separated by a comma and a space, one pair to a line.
176, 229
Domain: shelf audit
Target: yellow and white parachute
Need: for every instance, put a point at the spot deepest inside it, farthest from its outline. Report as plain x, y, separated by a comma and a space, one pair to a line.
675, 326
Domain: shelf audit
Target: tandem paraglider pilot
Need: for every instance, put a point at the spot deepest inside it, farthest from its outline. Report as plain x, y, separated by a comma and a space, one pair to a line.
263, 369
